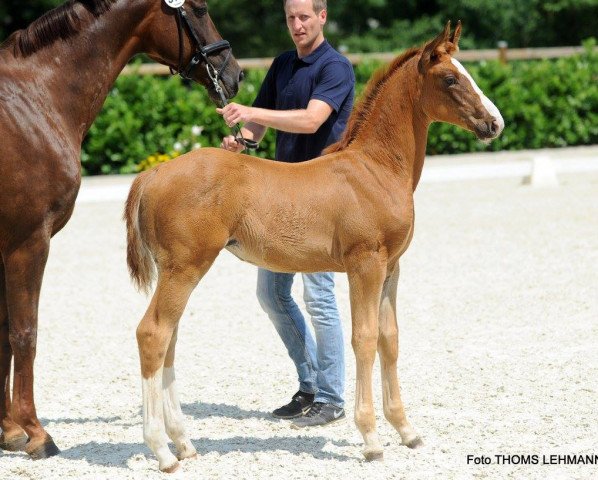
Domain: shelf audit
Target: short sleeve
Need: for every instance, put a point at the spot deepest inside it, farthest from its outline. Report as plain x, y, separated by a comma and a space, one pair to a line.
336, 81
266, 97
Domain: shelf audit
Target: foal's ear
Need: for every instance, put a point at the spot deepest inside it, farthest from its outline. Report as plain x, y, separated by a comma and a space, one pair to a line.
433, 50
453, 43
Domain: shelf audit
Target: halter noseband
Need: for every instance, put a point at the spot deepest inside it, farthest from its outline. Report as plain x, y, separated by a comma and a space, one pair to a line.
202, 55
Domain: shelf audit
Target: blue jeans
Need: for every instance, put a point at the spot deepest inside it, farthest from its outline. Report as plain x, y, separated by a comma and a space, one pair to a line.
321, 363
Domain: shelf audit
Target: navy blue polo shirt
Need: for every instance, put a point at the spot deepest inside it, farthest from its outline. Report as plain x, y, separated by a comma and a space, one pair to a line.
291, 82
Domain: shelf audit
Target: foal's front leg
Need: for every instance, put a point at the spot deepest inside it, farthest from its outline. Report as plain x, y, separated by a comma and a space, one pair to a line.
388, 349
366, 272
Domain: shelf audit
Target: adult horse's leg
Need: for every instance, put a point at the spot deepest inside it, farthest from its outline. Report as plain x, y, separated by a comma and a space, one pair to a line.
366, 276
13, 438
24, 269
154, 336
173, 415
388, 349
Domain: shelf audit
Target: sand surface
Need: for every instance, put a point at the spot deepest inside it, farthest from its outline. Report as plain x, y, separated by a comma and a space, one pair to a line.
498, 303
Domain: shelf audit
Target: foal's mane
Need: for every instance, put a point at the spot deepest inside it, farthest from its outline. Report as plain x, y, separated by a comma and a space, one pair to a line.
364, 107
60, 23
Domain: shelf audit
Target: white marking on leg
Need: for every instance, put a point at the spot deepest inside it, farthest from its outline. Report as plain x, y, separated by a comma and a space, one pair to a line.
492, 110
408, 434
153, 421
173, 416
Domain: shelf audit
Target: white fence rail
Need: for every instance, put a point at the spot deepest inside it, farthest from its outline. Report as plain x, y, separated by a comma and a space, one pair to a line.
502, 54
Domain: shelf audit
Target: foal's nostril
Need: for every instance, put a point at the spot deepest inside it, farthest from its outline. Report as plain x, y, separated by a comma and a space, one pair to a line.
241, 76
494, 127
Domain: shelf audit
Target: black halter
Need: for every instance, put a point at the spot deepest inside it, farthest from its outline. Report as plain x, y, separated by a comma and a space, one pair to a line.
202, 55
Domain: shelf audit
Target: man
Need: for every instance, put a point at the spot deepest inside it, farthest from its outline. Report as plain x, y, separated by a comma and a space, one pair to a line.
307, 97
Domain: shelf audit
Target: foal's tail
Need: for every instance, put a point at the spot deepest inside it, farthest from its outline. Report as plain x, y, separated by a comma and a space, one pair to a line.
139, 256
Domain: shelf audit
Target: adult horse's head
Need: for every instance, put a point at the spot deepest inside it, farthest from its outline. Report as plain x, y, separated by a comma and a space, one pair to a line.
181, 34
450, 94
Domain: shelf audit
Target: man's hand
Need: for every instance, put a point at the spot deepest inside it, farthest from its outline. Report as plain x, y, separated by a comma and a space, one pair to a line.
234, 113
230, 143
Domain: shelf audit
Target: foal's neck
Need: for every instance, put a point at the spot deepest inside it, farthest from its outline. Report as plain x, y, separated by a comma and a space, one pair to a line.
396, 132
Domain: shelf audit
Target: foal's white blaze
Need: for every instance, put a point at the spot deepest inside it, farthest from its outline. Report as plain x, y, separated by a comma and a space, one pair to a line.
173, 416
153, 421
492, 110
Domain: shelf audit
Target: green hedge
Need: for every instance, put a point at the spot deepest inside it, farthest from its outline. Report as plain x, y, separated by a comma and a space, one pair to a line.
544, 104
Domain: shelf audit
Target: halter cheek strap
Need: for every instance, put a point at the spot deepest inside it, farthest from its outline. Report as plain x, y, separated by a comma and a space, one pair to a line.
202, 54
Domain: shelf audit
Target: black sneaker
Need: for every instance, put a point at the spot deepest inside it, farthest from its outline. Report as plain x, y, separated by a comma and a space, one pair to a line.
320, 414
297, 407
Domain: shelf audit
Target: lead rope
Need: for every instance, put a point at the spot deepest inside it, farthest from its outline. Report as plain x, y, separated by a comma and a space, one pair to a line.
247, 143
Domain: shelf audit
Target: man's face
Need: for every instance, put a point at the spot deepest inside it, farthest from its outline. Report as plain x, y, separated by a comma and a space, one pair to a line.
305, 25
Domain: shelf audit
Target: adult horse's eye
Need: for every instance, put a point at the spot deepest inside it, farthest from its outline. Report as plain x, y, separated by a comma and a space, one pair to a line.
450, 80
200, 11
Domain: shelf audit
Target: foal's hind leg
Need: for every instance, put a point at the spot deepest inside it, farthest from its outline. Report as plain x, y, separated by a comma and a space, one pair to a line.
173, 416
13, 438
388, 349
154, 335
24, 269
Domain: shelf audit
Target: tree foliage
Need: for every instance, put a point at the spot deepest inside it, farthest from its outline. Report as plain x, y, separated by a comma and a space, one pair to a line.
256, 28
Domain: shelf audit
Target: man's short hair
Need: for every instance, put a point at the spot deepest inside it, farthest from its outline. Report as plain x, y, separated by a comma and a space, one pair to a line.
319, 5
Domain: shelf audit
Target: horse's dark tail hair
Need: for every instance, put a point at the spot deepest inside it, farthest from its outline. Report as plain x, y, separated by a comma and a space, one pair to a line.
139, 256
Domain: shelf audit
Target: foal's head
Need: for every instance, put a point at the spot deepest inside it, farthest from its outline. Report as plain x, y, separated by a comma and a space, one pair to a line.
449, 94
163, 33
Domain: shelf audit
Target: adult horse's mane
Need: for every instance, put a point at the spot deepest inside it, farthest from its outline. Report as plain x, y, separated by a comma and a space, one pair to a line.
61, 23
363, 108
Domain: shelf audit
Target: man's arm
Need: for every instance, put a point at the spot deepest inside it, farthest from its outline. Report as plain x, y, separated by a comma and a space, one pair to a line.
306, 120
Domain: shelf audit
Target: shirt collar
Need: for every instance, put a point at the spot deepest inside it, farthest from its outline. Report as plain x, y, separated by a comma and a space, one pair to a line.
313, 56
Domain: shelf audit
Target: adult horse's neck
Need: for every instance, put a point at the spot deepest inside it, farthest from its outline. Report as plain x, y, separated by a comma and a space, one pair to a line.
394, 130
73, 76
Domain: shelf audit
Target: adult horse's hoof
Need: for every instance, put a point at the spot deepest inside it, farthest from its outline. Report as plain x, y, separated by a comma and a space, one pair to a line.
415, 443
171, 468
373, 455
14, 444
46, 449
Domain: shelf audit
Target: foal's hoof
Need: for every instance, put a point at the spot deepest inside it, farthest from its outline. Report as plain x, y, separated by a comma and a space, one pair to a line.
14, 444
46, 449
415, 443
182, 456
171, 468
374, 455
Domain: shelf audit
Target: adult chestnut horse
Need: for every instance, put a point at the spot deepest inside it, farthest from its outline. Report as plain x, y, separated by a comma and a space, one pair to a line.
350, 210
54, 77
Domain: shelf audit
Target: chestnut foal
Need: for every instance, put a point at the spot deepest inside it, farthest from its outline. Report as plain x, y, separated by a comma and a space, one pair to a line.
54, 77
350, 210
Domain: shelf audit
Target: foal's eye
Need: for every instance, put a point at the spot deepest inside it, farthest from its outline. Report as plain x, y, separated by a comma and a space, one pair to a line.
450, 80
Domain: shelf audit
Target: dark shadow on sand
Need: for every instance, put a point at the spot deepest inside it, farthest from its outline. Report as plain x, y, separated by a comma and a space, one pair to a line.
199, 410
118, 454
